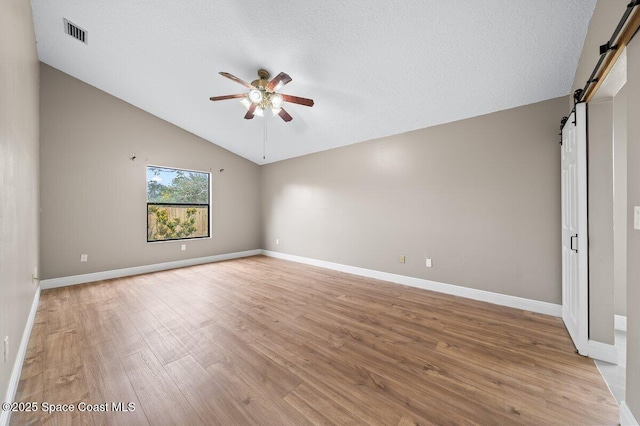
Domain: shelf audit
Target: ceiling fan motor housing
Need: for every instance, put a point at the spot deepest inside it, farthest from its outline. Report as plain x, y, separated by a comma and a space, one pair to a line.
263, 80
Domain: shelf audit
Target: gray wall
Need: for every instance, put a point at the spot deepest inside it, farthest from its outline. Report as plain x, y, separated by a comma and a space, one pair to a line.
600, 176
93, 196
18, 174
481, 197
633, 236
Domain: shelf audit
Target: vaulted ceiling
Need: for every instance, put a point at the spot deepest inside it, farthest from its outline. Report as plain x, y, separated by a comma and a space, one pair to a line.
374, 68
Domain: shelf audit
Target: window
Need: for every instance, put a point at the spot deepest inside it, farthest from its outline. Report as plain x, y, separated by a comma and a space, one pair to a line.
177, 204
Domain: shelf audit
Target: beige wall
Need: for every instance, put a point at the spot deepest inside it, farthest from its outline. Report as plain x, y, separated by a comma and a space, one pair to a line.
605, 18
620, 201
93, 196
600, 177
633, 235
18, 175
481, 197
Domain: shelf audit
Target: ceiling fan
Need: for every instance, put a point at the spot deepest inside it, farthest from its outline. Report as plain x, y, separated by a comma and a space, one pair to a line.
263, 95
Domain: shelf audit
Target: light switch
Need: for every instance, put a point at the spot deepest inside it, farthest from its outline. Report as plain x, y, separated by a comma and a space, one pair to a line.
636, 217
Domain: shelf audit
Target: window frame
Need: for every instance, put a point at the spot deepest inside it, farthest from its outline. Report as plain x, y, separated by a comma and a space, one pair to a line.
208, 205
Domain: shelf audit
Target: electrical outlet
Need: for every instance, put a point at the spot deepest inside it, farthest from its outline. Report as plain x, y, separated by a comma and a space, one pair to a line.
636, 217
183, 247
428, 263
84, 257
402, 259
277, 241
6, 349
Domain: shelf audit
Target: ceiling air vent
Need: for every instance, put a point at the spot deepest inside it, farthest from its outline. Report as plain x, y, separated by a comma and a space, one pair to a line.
75, 31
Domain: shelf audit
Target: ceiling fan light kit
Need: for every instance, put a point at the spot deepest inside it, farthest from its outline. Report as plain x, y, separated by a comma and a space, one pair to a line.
255, 96
263, 95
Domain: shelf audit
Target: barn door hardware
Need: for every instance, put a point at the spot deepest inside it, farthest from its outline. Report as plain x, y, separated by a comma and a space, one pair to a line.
576, 237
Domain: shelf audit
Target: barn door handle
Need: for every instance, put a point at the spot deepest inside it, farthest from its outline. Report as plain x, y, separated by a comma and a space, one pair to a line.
572, 237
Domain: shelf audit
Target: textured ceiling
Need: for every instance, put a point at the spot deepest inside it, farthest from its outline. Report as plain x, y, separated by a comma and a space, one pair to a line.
374, 68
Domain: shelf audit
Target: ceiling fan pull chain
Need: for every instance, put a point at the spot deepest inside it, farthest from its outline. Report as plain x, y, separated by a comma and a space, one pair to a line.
264, 140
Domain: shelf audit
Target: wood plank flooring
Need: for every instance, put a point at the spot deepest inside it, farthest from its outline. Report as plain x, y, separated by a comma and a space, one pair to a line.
268, 342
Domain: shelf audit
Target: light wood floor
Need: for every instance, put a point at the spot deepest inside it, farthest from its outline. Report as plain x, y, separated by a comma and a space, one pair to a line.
269, 342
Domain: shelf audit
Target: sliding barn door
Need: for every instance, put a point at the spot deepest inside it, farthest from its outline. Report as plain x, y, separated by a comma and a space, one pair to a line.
574, 228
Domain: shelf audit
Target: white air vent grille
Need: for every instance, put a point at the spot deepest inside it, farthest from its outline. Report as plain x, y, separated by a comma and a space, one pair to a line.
75, 31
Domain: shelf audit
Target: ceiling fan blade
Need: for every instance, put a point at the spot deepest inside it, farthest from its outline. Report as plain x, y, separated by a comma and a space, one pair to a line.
298, 100
285, 115
278, 81
236, 79
249, 115
222, 98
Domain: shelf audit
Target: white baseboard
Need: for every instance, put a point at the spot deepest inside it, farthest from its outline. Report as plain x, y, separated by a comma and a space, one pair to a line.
14, 380
602, 351
626, 416
145, 269
621, 322
469, 293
